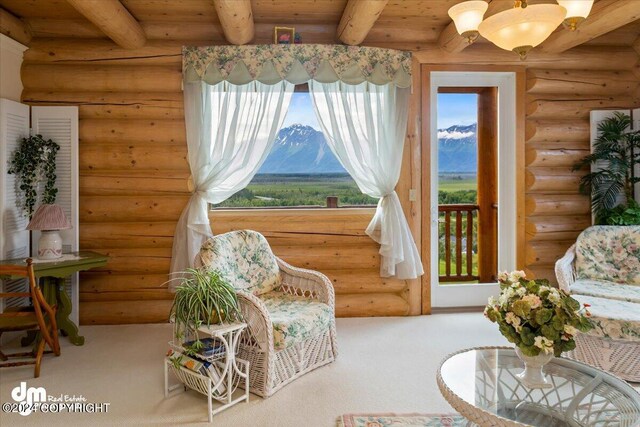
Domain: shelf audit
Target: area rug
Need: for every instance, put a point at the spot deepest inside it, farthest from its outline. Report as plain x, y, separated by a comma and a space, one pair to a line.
403, 420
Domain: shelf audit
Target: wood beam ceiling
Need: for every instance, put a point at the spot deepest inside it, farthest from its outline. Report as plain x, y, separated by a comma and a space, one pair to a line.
236, 19
452, 42
13, 27
609, 18
114, 20
358, 19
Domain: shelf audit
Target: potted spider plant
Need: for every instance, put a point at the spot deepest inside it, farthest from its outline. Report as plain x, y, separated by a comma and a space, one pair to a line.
612, 188
202, 298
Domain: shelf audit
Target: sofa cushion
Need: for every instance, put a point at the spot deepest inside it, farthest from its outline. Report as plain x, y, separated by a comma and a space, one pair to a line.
609, 253
243, 258
613, 319
295, 318
606, 289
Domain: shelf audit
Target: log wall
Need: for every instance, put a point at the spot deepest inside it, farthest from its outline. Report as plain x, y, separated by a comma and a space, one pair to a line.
558, 135
133, 187
133, 170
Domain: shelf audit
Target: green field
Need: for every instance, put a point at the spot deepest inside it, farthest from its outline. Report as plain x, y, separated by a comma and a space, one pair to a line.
274, 190
448, 185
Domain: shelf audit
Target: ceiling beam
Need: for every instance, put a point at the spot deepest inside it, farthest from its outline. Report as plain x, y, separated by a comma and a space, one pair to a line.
636, 45
114, 20
236, 19
15, 28
358, 19
452, 42
603, 21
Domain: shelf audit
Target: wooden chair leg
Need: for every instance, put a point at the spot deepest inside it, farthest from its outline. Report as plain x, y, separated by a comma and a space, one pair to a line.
3, 357
56, 341
36, 372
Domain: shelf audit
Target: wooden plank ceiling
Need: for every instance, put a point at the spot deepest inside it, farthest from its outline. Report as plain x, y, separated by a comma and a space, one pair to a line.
412, 24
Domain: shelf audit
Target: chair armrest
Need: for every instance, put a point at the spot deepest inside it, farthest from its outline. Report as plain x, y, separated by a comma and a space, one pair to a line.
565, 270
308, 283
256, 316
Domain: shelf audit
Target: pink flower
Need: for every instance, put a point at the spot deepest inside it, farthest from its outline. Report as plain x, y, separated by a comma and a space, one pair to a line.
534, 301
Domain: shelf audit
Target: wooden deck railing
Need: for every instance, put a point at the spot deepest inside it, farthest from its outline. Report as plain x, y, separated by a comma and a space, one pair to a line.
461, 216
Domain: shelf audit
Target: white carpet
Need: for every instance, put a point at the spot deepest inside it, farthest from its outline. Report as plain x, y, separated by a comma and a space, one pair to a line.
384, 365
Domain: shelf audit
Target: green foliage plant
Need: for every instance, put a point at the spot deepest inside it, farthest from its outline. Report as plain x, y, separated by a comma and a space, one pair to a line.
625, 215
619, 148
34, 161
536, 317
202, 298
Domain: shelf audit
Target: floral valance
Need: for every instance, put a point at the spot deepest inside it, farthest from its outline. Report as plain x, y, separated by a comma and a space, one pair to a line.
297, 64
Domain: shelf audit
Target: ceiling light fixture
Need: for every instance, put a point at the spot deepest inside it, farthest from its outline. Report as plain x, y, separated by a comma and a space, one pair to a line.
467, 16
577, 12
521, 28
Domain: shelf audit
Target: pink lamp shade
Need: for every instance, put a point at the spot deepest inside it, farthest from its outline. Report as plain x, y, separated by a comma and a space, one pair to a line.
49, 217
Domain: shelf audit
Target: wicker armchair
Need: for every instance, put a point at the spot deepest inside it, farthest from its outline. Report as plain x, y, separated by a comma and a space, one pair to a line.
290, 312
603, 269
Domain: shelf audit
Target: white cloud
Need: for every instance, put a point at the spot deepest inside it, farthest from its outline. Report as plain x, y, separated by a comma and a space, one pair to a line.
444, 134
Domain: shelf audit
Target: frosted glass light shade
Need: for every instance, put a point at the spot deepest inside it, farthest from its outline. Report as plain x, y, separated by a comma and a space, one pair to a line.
521, 29
467, 16
577, 11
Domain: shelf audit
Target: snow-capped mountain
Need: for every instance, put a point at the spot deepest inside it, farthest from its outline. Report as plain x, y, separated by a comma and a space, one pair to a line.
302, 149
458, 149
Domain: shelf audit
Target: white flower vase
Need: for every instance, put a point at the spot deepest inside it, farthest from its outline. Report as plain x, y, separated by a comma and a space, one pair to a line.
533, 376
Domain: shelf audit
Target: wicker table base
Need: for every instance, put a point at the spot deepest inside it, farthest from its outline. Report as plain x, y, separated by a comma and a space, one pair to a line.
481, 384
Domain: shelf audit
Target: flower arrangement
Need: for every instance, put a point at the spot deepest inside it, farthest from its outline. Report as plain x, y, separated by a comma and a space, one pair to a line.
536, 317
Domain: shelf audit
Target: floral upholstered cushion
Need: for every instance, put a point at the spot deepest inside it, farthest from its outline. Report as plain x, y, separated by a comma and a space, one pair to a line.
243, 258
609, 253
295, 318
606, 289
614, 319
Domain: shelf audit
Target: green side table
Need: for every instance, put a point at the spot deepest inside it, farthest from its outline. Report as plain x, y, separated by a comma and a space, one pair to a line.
53, 274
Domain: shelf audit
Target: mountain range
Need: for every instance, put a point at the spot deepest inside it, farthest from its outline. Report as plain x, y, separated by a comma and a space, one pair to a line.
458, 149
300, 149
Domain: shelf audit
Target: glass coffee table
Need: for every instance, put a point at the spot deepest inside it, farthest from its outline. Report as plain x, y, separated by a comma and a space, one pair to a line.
481, 384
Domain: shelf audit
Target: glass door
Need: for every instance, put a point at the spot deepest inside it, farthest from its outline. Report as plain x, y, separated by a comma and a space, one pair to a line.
472, 202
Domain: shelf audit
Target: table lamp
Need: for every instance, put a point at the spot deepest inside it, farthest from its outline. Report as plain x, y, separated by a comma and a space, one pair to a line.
49, 219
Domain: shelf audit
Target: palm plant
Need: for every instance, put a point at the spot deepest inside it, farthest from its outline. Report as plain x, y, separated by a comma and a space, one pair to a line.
203, 298
616, 151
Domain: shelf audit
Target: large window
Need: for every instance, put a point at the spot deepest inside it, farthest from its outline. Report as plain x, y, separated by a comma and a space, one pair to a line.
300, 170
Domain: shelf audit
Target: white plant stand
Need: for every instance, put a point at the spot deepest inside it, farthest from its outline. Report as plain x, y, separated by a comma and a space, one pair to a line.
233, 371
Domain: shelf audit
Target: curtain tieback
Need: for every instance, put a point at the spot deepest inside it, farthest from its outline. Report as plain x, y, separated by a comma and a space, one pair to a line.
391, 194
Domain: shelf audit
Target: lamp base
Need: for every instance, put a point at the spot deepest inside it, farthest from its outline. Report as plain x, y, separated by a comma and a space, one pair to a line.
50, 245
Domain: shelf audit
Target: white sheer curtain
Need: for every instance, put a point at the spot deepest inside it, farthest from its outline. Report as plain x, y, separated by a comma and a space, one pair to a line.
230, 131
365, 126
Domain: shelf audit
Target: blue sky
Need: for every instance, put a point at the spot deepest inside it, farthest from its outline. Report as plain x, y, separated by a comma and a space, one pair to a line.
301, 111
457, 109
453, 109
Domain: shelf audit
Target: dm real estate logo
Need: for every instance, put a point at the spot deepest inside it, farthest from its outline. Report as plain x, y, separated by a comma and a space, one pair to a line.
35, 399
28, 398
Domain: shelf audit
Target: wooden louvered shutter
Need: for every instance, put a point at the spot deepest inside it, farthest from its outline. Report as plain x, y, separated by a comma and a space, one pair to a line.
14, 240
61, 125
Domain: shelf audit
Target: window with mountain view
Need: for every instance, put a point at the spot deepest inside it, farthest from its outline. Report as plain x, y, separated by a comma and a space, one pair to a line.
300, 170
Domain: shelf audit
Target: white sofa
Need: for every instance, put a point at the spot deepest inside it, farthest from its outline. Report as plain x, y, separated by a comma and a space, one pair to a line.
602, 269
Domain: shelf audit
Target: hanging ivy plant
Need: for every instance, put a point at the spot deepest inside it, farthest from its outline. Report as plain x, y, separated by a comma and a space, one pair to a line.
33, 162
